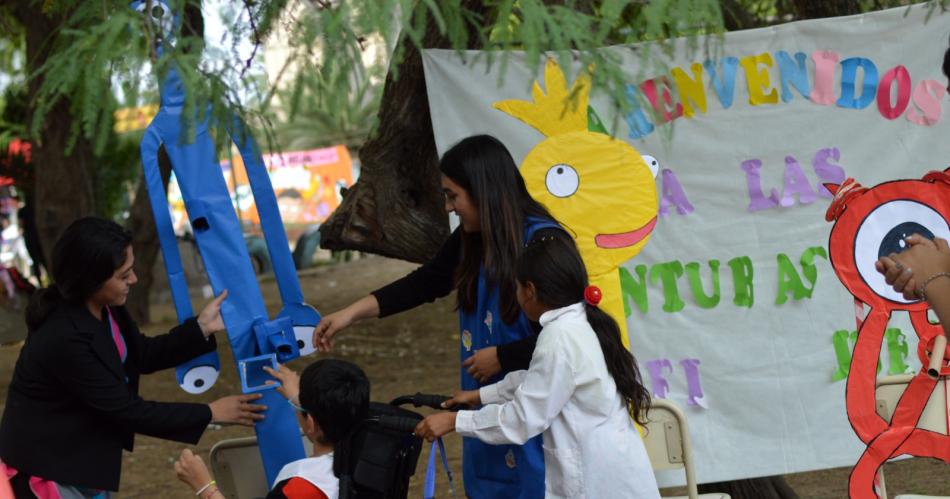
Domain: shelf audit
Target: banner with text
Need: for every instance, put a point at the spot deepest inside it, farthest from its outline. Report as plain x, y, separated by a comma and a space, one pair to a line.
733, 310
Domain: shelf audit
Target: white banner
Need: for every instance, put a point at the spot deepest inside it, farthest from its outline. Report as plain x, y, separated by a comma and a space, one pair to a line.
758, 360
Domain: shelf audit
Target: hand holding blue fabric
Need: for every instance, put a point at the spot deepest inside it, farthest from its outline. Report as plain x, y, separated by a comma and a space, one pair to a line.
210, 319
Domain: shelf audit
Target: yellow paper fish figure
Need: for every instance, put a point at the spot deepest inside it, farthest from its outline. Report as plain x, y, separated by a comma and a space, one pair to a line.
599, 188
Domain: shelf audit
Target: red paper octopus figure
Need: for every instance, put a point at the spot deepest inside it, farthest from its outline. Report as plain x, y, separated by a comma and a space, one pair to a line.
870, 223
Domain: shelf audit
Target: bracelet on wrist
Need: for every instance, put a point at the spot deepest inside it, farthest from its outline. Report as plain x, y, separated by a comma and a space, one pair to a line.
922, 289
202, 489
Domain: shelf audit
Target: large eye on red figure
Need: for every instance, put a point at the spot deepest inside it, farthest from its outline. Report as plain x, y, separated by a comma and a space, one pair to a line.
883, 231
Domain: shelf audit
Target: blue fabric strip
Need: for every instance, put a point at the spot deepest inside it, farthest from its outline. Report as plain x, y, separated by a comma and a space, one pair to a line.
428, 488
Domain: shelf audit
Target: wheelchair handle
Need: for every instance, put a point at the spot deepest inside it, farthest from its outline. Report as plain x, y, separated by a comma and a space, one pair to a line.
432, 401
421, 399
399, 423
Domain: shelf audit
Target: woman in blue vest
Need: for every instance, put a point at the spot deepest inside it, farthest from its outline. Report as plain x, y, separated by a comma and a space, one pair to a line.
482, 185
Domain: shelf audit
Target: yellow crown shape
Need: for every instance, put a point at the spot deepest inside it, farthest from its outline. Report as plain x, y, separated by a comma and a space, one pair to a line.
557, 112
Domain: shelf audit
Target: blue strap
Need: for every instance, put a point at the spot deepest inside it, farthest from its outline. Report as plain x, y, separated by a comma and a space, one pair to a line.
151, 142
428, 489
535, 224
267, 209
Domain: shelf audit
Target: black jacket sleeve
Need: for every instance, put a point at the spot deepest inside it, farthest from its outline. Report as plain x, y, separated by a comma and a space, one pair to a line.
155, 353
80, 372
516, 355
432, 280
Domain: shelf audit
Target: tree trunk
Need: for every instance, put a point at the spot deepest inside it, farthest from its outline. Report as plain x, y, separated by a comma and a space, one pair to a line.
145, 243
70, 196
736, 17
396, 207
62, 183
814, 9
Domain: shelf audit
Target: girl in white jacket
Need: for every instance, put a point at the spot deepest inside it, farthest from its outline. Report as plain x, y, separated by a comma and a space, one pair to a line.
580, 389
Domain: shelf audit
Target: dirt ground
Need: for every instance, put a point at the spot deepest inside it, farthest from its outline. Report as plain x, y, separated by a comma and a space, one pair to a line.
410, 352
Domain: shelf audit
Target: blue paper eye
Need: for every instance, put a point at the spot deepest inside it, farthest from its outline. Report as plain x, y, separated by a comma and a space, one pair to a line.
304, 336
199, 379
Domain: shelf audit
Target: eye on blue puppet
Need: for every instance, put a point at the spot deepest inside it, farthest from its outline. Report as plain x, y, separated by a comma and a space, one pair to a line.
221, 244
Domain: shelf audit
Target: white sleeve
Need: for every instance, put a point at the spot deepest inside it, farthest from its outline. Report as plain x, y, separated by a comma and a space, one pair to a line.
503, 390
545, 390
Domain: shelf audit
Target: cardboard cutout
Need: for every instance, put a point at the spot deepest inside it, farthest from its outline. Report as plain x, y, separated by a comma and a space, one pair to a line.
221, 243
870, 223
599, 188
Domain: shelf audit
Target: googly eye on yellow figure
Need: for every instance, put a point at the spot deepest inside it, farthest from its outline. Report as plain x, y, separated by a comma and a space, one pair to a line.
601, 189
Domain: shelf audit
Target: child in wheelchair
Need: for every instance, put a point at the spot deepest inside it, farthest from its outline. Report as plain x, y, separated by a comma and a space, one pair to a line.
332, 399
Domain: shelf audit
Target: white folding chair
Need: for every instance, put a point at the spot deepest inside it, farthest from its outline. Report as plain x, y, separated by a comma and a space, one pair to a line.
238, 470
934, 418
667, 443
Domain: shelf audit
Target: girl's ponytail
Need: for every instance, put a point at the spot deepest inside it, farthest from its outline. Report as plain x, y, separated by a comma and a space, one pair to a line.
41, 305
621, 364
551, 261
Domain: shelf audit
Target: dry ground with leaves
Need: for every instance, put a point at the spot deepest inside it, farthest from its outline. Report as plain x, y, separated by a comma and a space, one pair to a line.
414, 351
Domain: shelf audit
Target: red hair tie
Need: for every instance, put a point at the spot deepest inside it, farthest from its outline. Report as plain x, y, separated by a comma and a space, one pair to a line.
592, 295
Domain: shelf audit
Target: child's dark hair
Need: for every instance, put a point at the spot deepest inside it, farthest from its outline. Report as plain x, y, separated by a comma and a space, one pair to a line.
482, 166
84, 257
553, 264
336, 393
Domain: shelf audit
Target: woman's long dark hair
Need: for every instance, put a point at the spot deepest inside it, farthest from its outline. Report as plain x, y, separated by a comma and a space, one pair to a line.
484, 168
85, 256
552, 262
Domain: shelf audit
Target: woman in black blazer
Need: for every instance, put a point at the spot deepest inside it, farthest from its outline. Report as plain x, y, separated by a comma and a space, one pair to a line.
73, 403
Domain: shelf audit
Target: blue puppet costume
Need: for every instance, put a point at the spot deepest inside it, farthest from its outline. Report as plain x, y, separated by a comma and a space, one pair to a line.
253, 335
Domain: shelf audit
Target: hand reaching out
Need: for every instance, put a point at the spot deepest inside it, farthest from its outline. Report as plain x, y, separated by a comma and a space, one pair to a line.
209, 319
192, 470
289, 382
237, 409
331, 324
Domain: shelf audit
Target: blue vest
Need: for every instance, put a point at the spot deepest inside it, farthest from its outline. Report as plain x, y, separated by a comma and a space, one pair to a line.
498, 471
